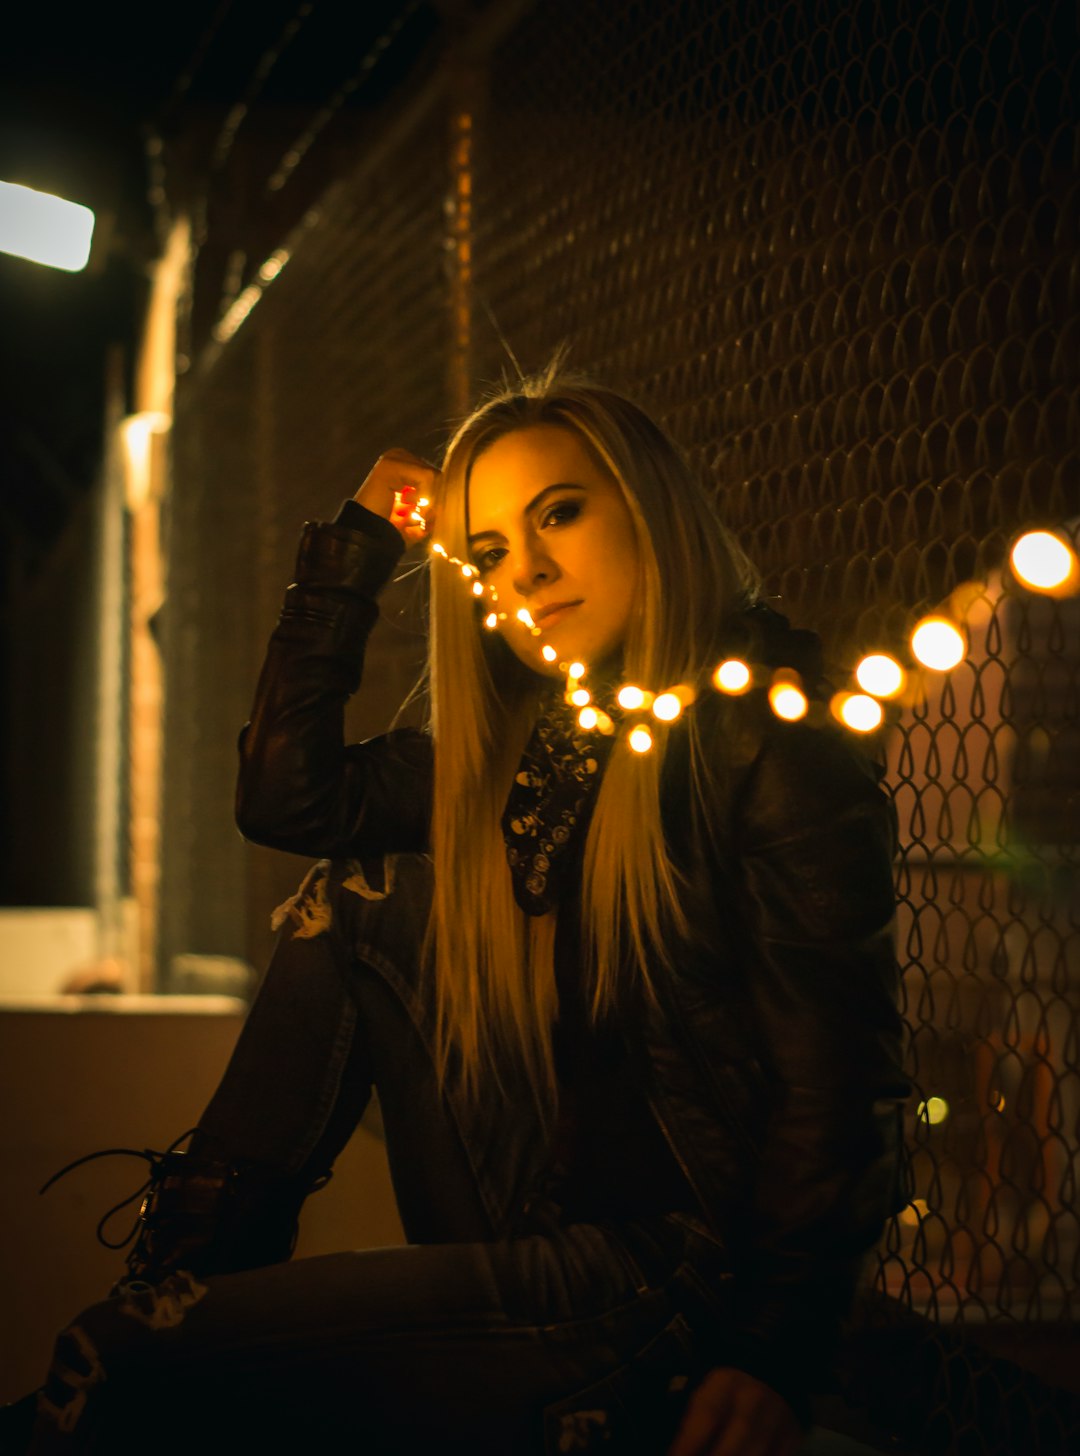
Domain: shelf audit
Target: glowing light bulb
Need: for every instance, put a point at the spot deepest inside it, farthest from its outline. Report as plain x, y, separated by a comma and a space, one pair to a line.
588, 718
576, 669
523, 616
860, 712
438, 549
630, 697
548, 653
880, 675
467, 570
934, 1110
580, 696
938, 644
422, 502
732, 676
788, 702
478, 588
491, 620
640, 740
604, 723
666, 707
1043, 561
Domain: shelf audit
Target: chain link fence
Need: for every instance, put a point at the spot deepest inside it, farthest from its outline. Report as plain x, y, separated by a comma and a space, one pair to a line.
834, 248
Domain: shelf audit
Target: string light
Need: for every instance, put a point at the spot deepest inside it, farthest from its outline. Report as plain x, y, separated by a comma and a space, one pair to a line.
934, 1110
630, 697
936, 643
732, 676
880, 675
788, 702
666, 707
858, 711
1044, 562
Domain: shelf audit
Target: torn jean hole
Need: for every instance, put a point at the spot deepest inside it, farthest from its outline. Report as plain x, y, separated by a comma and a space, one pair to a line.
309, 908
76, 1369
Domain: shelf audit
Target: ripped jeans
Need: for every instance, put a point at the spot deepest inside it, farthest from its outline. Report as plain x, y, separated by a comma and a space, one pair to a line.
499, 1328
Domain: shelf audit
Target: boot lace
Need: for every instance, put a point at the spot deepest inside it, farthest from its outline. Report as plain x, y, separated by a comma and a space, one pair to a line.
153, 1157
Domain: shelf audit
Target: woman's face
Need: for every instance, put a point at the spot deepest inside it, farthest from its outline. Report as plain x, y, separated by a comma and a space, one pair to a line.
547, 525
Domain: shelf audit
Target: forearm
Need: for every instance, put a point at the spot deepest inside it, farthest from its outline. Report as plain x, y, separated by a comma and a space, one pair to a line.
299, 787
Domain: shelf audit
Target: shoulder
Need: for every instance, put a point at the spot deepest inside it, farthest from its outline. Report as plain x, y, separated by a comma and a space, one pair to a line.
781, 778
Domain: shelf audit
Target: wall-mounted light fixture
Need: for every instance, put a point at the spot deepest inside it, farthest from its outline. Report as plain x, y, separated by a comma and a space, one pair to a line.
43, 228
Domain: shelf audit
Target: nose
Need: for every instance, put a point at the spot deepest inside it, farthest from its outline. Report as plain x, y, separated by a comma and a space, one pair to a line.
533, 567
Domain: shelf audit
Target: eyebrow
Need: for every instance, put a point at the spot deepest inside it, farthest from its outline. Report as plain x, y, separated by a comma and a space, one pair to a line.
536, 500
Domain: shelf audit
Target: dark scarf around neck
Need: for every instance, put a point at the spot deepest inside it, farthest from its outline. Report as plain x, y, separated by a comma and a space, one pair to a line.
553, 795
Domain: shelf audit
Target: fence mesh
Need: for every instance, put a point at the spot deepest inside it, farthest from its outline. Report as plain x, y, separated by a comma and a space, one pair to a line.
834, 248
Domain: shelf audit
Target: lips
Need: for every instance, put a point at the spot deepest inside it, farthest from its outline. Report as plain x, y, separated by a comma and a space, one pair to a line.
550, 613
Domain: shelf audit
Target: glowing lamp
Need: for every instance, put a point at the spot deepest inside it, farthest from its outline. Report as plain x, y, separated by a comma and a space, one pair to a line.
938, 644
491, 620
438, 549
934, 1110
640, 740
467, 571
666, 707
1044, 562
523, 616
548, 653
630, 698
732, 676
860, 712
44, 229
576, 669
580, 696
588, 718
880, 675
478, 588
788, 702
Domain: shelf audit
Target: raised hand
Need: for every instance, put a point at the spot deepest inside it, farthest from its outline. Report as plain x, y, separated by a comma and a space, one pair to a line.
394, 488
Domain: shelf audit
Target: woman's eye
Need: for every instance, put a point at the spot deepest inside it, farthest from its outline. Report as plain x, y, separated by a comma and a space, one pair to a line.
557, 515
565, 511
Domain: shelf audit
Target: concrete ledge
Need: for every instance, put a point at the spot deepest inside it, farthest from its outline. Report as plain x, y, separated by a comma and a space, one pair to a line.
113, 1004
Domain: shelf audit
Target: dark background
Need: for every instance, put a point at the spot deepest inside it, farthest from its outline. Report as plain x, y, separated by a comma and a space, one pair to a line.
833, 247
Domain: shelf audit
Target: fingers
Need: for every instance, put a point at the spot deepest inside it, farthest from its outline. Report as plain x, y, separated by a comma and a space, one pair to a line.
732, 1414
707, 1413
395, 487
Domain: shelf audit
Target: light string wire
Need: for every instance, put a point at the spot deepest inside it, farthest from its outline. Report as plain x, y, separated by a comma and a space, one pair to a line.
937, 644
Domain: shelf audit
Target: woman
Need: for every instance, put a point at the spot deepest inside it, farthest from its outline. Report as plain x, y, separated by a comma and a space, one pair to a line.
631, 1015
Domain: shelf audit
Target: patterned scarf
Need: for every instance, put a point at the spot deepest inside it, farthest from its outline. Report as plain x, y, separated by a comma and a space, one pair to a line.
553, 796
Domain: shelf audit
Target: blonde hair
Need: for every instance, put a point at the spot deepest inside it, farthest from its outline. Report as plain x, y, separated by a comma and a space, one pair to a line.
492, 965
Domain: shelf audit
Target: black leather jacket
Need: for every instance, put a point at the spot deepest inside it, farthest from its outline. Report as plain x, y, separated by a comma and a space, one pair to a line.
775, 1069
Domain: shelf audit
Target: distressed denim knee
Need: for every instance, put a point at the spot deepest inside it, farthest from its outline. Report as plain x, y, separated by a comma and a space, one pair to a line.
102, 1344
310, 909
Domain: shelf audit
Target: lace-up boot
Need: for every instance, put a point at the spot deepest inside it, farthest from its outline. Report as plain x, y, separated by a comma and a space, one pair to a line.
203, 1214
212, 1217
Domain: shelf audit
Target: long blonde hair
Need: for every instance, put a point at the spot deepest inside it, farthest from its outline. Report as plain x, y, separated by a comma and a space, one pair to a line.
494, 981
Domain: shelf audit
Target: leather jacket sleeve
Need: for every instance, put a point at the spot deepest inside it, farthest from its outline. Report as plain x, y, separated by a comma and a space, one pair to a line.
299, 787
813, 842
